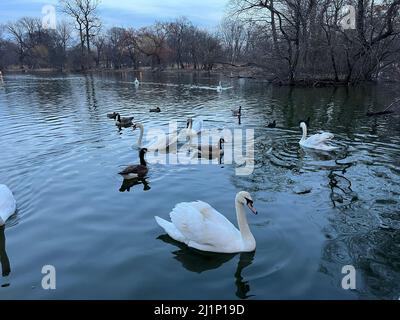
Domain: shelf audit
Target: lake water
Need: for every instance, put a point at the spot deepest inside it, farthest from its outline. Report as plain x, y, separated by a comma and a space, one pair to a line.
60, 155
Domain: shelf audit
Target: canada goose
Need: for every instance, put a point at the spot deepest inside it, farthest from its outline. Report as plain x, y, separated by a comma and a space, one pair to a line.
123, 121
138, 170
316, 141
237, 113
201, 227
272, 124
207, 150
155, 110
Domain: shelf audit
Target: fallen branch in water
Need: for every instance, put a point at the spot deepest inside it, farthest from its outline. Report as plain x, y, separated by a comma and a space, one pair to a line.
386, 111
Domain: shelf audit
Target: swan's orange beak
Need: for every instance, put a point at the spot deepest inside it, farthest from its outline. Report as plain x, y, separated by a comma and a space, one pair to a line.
250, 205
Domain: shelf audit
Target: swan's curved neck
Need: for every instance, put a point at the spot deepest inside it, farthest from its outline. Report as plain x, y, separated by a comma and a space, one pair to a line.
140, 126
244, 228
304, 127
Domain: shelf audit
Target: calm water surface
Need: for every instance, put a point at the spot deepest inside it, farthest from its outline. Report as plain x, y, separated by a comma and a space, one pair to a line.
60, 155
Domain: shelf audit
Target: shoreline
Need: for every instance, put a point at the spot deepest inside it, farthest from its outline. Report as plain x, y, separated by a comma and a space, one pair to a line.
239, 72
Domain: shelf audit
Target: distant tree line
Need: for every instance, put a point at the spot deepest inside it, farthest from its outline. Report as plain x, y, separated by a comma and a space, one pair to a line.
290, 41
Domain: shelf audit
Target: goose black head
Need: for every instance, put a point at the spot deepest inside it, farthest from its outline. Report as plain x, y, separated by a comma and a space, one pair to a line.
143, 151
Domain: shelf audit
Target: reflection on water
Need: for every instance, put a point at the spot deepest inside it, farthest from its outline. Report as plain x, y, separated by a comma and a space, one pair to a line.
5, 262
56, 136
341, 194
128, 184
199, 261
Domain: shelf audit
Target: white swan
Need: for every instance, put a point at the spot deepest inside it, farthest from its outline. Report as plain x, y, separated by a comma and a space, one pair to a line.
219, 87
316, 141
137, 83
7, 204
200, 226
158, 143
193, 128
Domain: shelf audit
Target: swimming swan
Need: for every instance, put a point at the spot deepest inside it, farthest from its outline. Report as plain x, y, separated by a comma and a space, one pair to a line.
201, 227
7, 204
219, 87
158, 143
316, 141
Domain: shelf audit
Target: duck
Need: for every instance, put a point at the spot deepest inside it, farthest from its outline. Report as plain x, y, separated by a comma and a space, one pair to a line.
155, 110
272, 124
159, 143
136, 82
210, 150
219, 87
112, 115
238, 112
316, 141
138, 170
201, 227
193, 128
123, 121
7, 204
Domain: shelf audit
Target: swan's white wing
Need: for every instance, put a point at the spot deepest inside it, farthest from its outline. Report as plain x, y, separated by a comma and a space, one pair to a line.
7, 203
320, 138
162, 142
203, 225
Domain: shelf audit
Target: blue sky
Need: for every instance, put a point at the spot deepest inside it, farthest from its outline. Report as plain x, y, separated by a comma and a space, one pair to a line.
136, 13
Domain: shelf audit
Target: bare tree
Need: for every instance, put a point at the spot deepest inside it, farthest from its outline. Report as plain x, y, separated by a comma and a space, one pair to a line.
84, 13
64, 36
233, 35
17, 32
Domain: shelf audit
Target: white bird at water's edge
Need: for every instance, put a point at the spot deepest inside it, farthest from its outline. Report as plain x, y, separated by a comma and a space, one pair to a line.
316, 141
7, 204
201, 227
137, 83
219, 87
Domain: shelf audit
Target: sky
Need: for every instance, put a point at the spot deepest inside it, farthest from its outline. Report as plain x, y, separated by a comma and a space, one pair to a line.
133, 13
